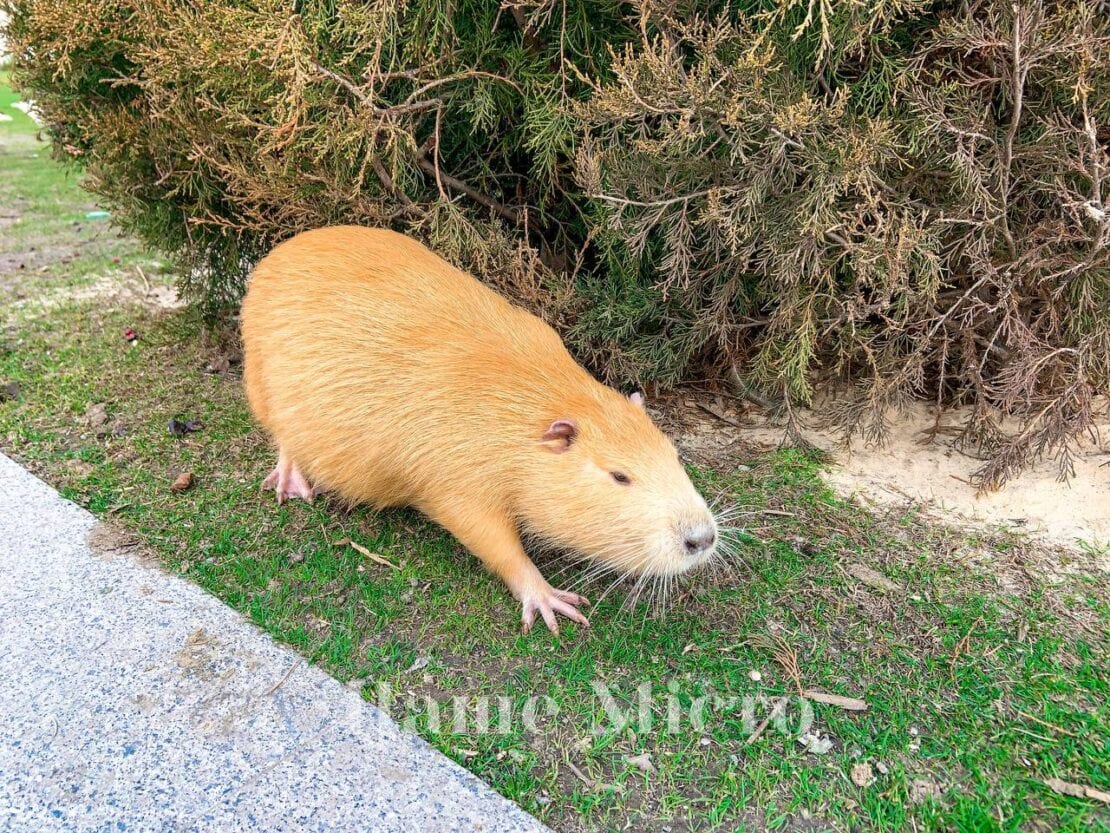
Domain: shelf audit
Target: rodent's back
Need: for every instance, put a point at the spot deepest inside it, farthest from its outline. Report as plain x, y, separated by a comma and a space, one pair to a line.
388, 377
381, 368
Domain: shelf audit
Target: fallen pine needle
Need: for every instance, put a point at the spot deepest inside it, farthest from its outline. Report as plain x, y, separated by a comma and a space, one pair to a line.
1046, 723
852, 704
373, 556
1021, 731
784, 655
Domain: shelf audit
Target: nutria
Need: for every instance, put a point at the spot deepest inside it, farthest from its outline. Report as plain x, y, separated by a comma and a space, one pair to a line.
389, 377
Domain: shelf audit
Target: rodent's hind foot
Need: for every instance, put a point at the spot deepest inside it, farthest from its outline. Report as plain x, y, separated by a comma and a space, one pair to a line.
287, 481
548, 603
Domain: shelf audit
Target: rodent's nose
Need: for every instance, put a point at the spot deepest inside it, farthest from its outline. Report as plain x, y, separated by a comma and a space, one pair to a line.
699, 539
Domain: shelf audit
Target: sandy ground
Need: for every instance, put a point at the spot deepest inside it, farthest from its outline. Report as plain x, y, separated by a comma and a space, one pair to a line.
909, 468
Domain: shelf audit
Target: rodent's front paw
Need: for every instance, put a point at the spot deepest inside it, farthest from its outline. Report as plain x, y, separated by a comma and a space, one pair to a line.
547, 602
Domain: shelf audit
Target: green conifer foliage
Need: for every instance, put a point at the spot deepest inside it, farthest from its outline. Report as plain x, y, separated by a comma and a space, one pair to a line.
879, 198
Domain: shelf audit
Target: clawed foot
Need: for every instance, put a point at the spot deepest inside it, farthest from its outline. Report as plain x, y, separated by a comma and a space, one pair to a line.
549, 602
287, 482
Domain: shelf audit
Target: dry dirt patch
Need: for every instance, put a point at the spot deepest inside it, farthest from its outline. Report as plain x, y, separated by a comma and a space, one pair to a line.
920, 467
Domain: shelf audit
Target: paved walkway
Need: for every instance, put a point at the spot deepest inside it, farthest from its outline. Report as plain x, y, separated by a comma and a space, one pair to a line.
132, 700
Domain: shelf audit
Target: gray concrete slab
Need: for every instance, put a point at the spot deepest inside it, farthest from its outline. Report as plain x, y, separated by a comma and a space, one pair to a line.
130, 699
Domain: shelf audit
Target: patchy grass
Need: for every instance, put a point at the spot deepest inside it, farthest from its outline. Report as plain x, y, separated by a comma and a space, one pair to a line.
984, 665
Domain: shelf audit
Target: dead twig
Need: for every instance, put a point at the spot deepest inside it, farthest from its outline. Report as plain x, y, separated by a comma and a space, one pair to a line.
373, 556
502, 210
776, 711
288, 674
961, 648
722, 417
1077, 790
142, 274
851, 704
585, 779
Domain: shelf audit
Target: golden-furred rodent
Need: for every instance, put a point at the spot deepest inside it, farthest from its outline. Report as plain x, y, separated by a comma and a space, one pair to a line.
389, 377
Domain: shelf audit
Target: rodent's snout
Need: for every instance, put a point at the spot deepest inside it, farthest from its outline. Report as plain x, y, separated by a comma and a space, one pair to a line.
699, 539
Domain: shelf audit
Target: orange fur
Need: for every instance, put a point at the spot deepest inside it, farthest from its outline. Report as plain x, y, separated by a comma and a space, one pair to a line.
391, 378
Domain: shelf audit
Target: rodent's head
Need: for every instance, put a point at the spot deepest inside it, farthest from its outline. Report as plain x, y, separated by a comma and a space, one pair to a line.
609, 485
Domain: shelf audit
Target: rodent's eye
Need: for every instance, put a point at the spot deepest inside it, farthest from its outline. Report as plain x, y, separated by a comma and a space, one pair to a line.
621, 477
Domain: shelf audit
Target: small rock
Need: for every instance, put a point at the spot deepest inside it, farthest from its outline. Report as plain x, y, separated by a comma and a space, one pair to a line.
705, 741
179, 428
642, 762
755, 676
220, 365
418, 663
803, 545
922, 789
861, 775
182, 482
743, 467
873, 578
296, 557
883, 768
97, 415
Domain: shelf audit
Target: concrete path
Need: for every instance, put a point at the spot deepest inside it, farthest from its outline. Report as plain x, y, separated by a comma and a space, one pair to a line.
132, 700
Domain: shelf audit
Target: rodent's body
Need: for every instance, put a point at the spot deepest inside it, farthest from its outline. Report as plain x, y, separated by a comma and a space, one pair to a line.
389, 377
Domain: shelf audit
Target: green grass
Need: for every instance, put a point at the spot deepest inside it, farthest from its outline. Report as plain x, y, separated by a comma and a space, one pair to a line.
983, 676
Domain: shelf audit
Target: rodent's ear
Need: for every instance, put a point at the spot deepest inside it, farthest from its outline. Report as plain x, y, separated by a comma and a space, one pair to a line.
560, 434
636, 399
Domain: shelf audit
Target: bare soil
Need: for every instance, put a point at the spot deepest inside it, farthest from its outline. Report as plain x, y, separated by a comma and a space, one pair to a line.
921, 465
